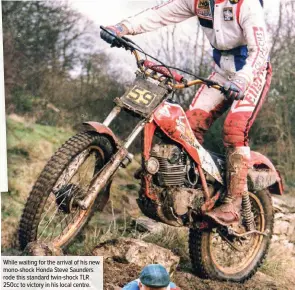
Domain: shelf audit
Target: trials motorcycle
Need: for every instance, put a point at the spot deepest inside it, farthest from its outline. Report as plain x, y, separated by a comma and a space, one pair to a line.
180, 180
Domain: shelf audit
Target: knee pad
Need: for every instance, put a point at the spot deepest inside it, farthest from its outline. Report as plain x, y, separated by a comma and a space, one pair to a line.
235, 130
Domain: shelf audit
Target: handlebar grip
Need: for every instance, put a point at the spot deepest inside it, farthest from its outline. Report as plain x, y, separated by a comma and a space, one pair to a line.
110, 38
163, 70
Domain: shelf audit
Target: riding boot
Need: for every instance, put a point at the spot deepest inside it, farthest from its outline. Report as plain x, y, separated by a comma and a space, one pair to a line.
237, 164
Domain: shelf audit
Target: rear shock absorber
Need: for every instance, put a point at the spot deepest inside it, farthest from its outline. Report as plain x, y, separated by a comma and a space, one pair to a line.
247, 212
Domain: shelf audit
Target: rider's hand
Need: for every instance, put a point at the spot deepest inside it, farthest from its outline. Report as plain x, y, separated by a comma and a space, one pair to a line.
118, 30
235, 90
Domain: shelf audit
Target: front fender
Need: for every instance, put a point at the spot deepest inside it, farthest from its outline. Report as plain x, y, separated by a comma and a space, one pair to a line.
258, 162
102, 129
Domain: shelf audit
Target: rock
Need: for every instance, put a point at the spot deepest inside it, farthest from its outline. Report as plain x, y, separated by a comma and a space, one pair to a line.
289, 218
279, 215
42, 249
137, 252
278, 209
285, 226
278, 202
267, 281
281, 228
275, 238
285, 204
144, 224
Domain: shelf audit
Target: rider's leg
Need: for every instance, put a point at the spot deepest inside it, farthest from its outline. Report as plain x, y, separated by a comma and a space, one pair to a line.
208, 105
236, 129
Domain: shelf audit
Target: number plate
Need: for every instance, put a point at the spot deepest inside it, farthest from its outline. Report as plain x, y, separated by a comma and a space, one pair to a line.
143, 97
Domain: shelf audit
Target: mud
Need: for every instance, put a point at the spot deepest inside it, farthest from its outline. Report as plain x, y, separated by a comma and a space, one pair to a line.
116, 275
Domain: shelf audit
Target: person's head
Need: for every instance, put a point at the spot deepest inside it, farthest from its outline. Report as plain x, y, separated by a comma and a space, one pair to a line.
154, 277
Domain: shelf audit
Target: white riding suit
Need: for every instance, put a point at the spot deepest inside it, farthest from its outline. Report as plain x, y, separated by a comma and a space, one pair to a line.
237, 33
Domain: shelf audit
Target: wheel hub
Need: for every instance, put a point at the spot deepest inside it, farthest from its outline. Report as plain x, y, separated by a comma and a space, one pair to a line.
66, 197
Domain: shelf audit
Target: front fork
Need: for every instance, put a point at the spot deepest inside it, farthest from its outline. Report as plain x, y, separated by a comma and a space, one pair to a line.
102, 178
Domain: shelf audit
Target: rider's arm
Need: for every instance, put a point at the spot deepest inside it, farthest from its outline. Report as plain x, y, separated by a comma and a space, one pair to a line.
251, 20
171, 12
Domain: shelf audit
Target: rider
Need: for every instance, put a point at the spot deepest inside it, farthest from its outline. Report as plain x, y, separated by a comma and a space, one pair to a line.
152, 277
236, 30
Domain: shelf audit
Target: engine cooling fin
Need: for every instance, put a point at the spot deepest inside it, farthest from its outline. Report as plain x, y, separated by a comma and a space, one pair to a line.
172, 170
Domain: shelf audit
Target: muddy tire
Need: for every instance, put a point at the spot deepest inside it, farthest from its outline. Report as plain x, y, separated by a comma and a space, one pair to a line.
51, 174
210, 262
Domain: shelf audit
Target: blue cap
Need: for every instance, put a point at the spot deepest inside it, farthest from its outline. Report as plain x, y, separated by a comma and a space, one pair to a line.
155, 276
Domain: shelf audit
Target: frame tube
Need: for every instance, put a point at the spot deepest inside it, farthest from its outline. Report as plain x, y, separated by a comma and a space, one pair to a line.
134, 134
112, 115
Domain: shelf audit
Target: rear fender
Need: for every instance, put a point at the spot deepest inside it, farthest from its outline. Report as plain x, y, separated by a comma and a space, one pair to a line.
103, 130
258, 162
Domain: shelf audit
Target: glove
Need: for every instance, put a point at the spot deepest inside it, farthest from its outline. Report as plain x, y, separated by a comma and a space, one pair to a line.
118, 30
235, 90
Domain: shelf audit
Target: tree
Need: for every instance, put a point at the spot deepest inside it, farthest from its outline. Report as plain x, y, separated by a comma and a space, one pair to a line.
274, 133
45, 38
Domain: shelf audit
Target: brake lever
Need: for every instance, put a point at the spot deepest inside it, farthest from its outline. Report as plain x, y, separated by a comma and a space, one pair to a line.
210, 83
128, 40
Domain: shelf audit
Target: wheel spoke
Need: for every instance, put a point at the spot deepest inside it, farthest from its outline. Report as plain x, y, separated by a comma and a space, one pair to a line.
73, 183
226, 256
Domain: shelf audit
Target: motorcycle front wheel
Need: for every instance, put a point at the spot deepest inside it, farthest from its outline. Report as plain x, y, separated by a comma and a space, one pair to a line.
214, 258
51, 214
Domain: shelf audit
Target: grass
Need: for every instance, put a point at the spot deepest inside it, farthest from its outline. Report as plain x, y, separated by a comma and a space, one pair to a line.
280, 264
31, 145
29, 148
32, 133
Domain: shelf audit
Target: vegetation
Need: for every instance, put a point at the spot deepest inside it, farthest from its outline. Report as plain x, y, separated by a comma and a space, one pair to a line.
57, 77
30, 146
54, 69
29, 149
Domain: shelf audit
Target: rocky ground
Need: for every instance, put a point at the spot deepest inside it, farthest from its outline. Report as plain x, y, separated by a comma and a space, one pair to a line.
125, 257
116, 276
280, 264
28, 152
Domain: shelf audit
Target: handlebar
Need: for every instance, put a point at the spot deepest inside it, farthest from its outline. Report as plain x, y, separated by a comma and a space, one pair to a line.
163, 70
187, 84
117, 41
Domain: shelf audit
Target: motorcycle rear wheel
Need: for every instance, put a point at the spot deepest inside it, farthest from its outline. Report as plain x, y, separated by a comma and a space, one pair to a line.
214, 258
50, 214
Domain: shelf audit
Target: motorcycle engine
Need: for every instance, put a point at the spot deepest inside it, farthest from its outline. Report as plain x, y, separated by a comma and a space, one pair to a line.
174, 173
172, 165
